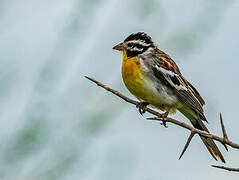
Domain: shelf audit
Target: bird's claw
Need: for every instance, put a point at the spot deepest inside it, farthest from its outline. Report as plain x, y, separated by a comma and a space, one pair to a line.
142, 106
163, 117
164, 123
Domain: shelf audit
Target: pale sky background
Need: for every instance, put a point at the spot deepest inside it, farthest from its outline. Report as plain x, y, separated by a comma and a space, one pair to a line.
54, 124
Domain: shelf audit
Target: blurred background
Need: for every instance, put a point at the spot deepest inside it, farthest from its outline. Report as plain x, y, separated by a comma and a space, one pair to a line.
55, 124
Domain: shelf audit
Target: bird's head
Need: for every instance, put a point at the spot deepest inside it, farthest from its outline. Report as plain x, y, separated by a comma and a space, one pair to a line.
135, 44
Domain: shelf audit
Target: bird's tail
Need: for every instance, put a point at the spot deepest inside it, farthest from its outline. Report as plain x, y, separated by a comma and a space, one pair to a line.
197, 122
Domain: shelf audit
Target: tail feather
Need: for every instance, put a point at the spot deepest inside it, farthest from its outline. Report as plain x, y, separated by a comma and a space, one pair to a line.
204, 140
197, 122
209, 143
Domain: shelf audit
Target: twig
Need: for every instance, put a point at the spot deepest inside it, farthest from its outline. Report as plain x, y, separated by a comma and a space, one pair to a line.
225, 141
226, 168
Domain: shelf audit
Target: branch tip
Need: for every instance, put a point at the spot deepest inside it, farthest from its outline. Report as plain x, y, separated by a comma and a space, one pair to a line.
226, 168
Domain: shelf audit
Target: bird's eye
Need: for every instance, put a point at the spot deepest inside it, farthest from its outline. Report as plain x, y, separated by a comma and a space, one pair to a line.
130, 45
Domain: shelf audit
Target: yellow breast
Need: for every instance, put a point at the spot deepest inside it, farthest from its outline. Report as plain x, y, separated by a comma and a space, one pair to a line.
133, 77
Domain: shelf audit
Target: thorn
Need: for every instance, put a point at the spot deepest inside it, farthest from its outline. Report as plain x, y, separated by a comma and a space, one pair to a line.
223, 128
187, 143
225, 146
225, 137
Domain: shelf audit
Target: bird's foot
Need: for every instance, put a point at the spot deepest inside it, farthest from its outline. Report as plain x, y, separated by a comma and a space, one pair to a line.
163, 117
142, 106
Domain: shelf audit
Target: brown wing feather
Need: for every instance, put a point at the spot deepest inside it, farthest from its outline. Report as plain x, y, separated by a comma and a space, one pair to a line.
185, 91
168, 64
196, 93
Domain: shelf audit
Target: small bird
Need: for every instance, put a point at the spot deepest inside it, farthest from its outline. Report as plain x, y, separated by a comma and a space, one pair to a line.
155, 79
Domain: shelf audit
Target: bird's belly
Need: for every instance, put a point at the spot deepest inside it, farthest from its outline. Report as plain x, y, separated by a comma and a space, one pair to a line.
146, 89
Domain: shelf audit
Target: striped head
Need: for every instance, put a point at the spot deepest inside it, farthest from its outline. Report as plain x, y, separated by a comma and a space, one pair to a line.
135, 44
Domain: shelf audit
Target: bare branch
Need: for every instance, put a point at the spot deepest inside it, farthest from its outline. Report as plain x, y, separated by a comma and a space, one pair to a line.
225, 141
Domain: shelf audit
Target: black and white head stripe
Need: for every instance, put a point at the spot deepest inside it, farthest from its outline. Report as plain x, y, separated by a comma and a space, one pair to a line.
137, 43
140, 36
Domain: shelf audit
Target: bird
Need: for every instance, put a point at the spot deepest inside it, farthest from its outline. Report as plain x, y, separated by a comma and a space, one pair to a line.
155, 79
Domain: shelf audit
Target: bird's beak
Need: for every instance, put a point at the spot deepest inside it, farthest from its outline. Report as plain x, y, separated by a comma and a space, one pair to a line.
119, 47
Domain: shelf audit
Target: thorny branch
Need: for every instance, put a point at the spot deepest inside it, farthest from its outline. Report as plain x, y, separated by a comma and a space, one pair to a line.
224, 140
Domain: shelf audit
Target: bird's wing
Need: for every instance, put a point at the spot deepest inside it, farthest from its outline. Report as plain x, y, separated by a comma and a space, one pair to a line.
166, 70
